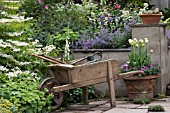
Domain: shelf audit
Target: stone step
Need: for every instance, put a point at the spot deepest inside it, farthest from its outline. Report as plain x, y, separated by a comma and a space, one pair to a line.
168, 90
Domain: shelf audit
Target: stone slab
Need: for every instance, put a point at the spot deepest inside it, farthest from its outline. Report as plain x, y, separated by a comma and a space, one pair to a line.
120, 110
92, 104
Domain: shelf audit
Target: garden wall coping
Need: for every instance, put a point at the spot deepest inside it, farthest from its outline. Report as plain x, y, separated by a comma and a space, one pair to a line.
148, 25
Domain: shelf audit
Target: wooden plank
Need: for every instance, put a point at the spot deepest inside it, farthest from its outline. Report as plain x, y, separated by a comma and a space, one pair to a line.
127, 74
89, 72
78, 85
54, 59
44, 58
85, 95
110, 80
60, 74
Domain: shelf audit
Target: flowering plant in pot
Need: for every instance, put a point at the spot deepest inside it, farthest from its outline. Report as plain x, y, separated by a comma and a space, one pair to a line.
140, 85
150, 16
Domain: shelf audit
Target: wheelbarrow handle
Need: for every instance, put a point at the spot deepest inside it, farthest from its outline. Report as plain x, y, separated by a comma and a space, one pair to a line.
98, 54
89, 58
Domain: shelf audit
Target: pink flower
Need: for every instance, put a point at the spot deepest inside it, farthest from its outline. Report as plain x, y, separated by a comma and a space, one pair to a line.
39, 1
117, 6
46, 6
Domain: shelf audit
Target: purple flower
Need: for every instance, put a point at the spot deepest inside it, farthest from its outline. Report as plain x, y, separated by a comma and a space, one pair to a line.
134, 68
145, 67
110, 19
127, 68
151, 65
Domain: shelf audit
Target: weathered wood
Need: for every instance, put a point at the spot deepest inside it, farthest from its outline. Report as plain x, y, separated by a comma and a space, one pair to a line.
44, 58
48, 58
75, 74
127, 74
78, 85
54, 59
85, 95
87, 72
111, 82
60, 72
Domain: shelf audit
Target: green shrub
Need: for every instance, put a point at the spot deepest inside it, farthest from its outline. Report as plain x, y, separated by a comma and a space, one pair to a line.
156, 108
7, 107
141, 101
24, 92
160, 95
75, 95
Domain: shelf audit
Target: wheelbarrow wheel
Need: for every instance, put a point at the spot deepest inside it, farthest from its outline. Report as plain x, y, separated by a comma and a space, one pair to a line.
49, 83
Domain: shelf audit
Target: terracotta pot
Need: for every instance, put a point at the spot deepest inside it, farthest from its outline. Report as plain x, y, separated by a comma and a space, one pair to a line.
150, 18
140, 87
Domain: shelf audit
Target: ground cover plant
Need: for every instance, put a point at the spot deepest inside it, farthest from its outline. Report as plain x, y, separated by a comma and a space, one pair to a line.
156, 108
141, 101
7, 107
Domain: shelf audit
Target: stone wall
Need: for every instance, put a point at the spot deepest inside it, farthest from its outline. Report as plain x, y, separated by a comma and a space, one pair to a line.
161, 4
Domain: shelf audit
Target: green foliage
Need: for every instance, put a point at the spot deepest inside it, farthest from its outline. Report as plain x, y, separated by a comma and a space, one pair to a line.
156, 108
123, 3
166, 13
153, 69
33, 8
13, 26
167, 21
160, 95
141, 101
71, 16
23, 91
7, 107
75, 95
60, 39
12, 4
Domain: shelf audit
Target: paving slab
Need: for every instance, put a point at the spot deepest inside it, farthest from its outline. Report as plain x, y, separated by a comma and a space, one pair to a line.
103, 106
123, 110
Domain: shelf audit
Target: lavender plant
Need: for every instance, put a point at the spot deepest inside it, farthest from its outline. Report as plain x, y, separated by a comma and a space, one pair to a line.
102, 40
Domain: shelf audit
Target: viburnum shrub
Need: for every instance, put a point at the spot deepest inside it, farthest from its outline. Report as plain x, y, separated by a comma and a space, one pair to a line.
140, 58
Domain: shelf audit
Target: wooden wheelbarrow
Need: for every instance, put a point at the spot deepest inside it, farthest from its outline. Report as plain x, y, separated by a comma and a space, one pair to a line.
65, 77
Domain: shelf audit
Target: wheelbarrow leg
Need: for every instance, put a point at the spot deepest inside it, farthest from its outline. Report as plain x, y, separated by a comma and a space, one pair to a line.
85, 95
111, 85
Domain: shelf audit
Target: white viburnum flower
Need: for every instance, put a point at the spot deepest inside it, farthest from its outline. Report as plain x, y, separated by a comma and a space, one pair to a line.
11, 74
16, 49
2, 68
